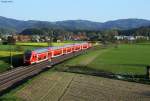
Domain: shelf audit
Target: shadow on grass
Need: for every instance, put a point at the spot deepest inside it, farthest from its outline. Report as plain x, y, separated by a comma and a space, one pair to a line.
133, 65
17, 60
101, 73
143, 44
35, 46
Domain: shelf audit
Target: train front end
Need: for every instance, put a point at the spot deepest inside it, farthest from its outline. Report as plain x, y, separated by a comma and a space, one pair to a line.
28, 58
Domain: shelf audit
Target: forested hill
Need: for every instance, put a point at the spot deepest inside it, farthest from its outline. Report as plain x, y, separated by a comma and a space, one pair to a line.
12, 25
142, 31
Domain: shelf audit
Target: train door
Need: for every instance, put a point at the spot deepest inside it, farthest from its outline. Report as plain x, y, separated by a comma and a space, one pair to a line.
34, 58
49, 55
64, 50
52, 53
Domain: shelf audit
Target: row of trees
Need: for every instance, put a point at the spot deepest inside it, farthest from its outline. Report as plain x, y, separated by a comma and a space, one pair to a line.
72, 35
83, 35
142, 31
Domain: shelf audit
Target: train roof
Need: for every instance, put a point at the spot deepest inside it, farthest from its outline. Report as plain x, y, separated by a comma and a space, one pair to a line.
55, 47
69, 45
41, 50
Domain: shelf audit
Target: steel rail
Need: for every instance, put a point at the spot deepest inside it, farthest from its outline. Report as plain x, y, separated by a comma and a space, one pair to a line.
11, 77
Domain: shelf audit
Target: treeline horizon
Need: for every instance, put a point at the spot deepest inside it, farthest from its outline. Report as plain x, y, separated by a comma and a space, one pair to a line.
87, 34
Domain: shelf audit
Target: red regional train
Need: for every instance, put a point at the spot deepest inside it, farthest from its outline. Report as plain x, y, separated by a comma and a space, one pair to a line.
43, 54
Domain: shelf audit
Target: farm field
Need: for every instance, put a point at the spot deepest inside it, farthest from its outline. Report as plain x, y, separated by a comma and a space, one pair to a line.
29, 46
44, 44
16, 47
61, 86
126, 59
130, 59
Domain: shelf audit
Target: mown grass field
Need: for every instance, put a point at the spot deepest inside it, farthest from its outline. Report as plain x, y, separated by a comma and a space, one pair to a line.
126, 59
16, 48
44, 44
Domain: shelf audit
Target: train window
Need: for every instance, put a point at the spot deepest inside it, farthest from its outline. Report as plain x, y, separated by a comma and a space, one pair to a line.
34, 56
49, 54
39, 58
28, 55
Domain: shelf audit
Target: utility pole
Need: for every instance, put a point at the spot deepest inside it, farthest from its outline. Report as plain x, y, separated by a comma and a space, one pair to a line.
50, 34
11, 58
48, 40
148, 71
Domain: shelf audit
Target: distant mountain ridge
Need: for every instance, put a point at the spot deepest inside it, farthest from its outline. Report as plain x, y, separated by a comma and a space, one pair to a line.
122, 24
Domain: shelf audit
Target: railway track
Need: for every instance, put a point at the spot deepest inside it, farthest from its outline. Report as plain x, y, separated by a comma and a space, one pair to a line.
12, 77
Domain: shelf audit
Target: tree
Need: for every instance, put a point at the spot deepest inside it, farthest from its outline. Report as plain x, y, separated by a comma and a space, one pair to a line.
11, 40
32, 31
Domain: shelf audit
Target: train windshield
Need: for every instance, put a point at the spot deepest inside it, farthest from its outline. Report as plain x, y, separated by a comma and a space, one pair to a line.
28, 55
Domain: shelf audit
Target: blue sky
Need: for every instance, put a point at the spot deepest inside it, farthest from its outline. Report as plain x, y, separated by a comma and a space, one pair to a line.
57, 10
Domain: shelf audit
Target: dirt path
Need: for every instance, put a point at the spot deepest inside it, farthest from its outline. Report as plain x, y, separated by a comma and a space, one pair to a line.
59, 86
88, 60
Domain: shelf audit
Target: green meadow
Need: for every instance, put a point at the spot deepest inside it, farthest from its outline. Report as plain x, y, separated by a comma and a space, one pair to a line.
44, 44
125, 59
